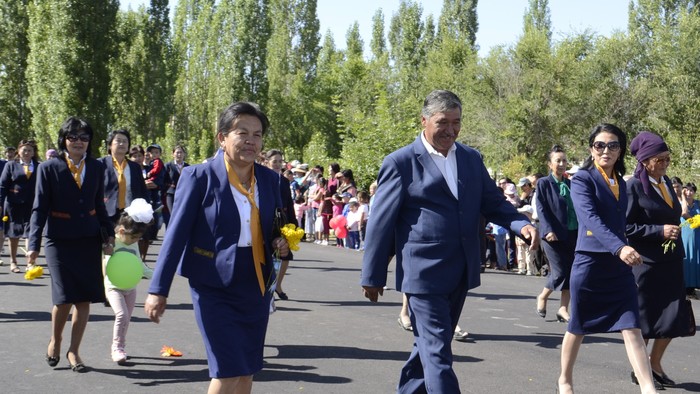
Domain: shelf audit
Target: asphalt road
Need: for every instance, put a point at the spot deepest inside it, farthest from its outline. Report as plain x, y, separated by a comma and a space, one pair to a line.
326, 339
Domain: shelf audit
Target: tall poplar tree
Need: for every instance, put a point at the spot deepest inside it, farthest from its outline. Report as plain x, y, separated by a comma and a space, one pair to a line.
15, 116
71, 43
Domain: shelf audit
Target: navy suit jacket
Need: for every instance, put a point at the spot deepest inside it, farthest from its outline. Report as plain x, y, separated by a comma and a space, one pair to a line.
287, 200
15, 187
646, 216
202, 237
66, 211
601, 217
138, 184
552, 211
434, 235
172, 176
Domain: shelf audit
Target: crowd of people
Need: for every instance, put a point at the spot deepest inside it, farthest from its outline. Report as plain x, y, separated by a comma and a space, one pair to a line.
618, 248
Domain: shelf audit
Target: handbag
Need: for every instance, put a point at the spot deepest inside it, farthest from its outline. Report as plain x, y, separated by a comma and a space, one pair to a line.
691, 317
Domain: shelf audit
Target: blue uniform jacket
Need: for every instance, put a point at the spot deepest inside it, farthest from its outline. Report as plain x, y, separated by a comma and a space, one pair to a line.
15, 187
202, 237
111, 192
646, 216
552, 211
64, 211
172, 176
434, 235
601, 217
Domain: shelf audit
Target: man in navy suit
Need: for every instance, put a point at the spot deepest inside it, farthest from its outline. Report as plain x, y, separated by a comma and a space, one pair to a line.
430, 197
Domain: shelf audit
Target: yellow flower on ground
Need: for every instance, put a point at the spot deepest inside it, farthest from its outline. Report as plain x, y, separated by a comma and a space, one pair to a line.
34, 272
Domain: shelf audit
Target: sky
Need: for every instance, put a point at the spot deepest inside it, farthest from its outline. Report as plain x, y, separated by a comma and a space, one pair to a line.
500, 21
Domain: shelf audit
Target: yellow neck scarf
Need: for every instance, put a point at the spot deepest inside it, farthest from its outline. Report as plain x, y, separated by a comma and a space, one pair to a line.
255, 226
614, 185
121, 179
76, 171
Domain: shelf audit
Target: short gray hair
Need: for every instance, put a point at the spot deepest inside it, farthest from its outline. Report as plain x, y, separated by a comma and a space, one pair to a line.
440, 101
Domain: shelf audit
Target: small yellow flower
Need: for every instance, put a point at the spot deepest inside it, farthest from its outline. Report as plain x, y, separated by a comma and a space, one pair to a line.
5, 218
293, 235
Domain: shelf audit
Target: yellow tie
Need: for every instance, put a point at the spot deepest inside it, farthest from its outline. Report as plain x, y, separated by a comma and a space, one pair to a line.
121, 179
76, 171
26, 170
665, 194
255, 227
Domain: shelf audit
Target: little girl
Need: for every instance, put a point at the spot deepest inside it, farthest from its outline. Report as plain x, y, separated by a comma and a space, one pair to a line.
132, 224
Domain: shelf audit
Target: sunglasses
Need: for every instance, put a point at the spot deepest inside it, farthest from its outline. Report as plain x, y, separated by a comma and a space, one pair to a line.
613, 146
75, 137
660, 159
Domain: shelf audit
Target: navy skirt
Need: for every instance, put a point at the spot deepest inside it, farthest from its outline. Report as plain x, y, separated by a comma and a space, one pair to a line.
603, 295
233, 319
76, 270
18, 216
560, 255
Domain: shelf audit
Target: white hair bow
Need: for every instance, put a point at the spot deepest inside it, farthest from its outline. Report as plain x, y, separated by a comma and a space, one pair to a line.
140, 210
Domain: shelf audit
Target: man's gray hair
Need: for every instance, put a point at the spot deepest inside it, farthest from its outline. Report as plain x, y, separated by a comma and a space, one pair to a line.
440, 101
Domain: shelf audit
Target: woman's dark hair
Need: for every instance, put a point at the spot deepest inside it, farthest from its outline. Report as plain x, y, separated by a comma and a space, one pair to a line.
234, 111
554, 149
619, 167
136, 149
691, 186
322, 181
335, 167
30, 143
347, 174
179, 146
114, 133
677, 181
74, 125
271, 153
131, 226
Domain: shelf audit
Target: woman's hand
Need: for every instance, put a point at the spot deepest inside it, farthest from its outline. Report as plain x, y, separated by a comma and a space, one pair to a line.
155, 307
551, 237
671, 231
32, 256
281, 246
630, 256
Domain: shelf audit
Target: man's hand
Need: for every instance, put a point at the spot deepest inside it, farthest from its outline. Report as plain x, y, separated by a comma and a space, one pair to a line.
154, 307
529, 232
372, 293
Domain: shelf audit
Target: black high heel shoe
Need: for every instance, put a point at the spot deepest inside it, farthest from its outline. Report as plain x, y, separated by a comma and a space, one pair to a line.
662, 378
282, 295
541, 312
657, 385
77, 367
52, 361
561, 318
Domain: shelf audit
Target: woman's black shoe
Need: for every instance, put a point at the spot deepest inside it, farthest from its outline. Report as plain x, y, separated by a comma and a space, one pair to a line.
561, 319
282, 295
663, 378
52, 361
658, 386
77, 367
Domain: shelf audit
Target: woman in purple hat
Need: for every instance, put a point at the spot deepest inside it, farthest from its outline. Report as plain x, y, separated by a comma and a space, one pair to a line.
653, 218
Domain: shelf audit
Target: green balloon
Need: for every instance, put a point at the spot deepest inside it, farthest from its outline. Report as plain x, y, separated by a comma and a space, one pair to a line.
124, 270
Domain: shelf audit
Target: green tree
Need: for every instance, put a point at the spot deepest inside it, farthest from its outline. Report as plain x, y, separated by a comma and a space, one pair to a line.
71, 44
15, 116
458, 20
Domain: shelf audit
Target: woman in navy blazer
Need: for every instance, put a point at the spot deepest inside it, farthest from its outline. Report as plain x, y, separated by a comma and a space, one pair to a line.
603, 291
118, 145
17, 184
69, 212
653, 217
558, 226
173, 169
221, 239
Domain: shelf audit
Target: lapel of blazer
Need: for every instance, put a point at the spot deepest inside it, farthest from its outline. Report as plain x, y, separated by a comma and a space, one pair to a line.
227, 215
429, 165
607, 192
265, 198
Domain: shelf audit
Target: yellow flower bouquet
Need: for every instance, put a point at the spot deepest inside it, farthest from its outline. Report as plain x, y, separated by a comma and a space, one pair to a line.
35, 272
694, 222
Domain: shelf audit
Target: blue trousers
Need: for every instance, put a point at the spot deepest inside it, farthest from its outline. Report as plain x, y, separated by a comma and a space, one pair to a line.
429, 367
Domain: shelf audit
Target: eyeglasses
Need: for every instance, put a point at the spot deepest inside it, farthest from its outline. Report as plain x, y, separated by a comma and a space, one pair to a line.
613, 146
656, 160
75, 137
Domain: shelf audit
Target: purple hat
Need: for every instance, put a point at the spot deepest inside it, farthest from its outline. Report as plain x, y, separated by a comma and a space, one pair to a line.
642, 147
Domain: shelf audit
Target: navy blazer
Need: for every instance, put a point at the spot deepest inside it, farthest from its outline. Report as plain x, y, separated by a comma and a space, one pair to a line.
202, 237
111, 192
15, 187
601, 217
172, 175
62, 210
434, 235
646, 216
552, 211
287, 200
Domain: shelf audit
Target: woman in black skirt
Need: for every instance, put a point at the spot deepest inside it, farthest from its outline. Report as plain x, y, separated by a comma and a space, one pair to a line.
69, 211
17, 184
